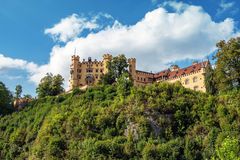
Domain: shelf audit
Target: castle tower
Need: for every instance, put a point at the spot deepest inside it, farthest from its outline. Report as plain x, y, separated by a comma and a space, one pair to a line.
174, 68
106, 59
132, 67
74, 72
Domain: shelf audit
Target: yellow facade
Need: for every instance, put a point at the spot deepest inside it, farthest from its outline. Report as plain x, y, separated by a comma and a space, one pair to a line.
87, 73
194, 81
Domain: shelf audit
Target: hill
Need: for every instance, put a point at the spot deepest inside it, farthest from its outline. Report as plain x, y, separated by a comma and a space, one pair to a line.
160, 121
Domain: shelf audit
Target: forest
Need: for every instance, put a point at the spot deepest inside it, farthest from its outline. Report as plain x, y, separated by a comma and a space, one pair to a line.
115, 120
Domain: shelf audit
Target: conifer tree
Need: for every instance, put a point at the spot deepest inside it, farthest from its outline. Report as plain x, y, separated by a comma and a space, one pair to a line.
18, 91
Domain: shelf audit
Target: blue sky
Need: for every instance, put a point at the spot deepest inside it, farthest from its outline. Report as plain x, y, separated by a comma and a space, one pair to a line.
30, 37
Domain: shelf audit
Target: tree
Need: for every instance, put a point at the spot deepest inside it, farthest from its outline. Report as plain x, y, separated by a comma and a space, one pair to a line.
210, 82
5, 99
18, 91
124, 84
50, 85
27, 96
57, 82
228, 64
116, 67
229, 149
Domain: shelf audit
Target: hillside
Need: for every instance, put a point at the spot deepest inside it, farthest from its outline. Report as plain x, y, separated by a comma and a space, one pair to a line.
160, 121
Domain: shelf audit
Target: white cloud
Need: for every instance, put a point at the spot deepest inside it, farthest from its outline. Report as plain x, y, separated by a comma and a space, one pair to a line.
225, 6
72, 26
177, 6
154, 1
10, 63
12, 77
157, 39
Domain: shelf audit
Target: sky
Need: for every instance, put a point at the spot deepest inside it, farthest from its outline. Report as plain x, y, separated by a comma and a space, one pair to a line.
38, 37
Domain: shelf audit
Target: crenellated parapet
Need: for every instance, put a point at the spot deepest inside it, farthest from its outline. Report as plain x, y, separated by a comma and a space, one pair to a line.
107, 56
87, 71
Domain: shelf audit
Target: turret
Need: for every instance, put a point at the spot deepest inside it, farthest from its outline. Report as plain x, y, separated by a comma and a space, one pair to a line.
73, 72
132, 67
174, 68
106, 59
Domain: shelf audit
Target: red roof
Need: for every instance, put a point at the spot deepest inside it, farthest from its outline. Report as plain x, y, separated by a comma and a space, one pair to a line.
168, 74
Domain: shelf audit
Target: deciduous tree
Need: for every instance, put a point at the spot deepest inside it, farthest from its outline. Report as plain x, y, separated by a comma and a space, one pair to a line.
116, 67
228, 64
50, 85
210, 81
5, 98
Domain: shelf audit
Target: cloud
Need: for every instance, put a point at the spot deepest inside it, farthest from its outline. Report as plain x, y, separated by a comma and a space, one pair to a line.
19, 64
159, 38
12, 77
10, 63
72, 26
226, 6
177, 6
154, 1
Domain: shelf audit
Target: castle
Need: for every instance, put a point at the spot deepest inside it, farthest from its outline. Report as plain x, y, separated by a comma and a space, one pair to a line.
89, 72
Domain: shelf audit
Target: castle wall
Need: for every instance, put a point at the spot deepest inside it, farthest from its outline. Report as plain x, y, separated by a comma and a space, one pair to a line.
194, 81
87, 72
143, 78
90, 72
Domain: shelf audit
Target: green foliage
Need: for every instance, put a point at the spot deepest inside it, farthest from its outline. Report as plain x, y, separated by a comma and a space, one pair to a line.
50, 86
18, 91
116, 67
124, 84
229, 149
5, 99
119, 121
228, 65
210, 81
27, 96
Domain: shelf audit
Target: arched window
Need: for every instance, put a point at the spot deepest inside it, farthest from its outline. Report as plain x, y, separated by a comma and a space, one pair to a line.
89, 79
195, 79
187, 81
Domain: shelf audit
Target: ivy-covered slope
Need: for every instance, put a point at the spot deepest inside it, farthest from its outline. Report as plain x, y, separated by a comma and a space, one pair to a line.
161, 121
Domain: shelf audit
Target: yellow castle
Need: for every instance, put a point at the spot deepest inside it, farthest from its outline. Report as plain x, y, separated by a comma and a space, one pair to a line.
89, 72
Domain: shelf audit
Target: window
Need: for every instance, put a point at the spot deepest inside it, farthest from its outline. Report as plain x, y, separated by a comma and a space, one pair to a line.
96, 76
194, 79
187, 81
195, 88
101, 70
89, 79
89, 70
79, 70
96, 70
